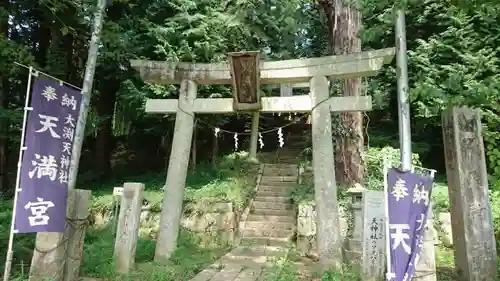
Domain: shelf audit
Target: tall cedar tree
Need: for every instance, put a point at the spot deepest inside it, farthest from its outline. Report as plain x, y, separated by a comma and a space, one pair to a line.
344, 23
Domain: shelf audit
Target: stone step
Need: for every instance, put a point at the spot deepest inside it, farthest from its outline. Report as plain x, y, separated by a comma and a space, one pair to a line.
275, 188
248, 274
258, 250
290, 219
259, 254
228, 272
277, 193
272, 205
279, 172
272, 212
277, 184
278, 178
267, 241
280, 166
261, 232
267, 225
273, 199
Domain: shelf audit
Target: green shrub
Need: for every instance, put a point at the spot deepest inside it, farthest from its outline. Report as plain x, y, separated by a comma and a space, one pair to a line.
374, 165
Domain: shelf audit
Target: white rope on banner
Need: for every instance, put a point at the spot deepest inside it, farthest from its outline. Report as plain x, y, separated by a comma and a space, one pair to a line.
22, 148
48, 75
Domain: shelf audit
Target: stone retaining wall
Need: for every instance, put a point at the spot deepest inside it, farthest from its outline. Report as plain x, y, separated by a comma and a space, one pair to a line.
210, 218
306, 228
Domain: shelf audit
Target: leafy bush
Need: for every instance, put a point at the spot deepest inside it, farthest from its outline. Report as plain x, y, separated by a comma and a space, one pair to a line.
440, 198
374, 165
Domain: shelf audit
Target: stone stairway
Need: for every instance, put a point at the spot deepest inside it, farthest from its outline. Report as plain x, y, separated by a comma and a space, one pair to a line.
272, 219
266, 232
295, 144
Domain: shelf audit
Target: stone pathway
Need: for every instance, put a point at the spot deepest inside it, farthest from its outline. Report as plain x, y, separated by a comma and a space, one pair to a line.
266, 232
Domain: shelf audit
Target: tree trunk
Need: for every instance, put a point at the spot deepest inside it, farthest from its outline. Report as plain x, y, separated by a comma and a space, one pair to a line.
344, 23
43, 37
104, 140
4, 28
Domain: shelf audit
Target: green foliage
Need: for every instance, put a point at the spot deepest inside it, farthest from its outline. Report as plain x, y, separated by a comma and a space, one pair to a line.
440, 198
492, 139
374, 163
233, 180
23, 244
188, 259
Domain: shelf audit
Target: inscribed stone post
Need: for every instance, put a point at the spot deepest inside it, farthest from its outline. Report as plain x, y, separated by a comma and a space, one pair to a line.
77, 221
329, 241
49, 254
176, 176
373, 259
127, 232
426, 266
473, 237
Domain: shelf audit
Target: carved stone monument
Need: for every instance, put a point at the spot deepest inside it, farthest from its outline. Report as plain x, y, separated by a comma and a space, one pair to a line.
373, 257
127, 233
473, 238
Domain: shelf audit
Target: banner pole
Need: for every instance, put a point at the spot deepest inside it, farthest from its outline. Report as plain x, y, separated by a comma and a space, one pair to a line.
10, 252
387, 231
88, 81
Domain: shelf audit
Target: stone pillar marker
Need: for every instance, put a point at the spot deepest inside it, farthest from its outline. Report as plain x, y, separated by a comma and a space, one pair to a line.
374, 244
78, 220
426, 267
356, 193
127, 232
176, 175
353, 241
49, 254
329, 241
473, 237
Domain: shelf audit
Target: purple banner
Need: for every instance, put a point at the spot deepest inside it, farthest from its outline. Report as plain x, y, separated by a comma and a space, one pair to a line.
50, 128
408, 197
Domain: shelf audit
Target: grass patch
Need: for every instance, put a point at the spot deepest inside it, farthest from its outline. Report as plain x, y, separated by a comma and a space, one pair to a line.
233, 180
189, 258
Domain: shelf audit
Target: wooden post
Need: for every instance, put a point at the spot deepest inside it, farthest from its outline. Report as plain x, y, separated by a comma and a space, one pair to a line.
77, 221
254, 139
329, 240
127, 232
473, 237
176, 176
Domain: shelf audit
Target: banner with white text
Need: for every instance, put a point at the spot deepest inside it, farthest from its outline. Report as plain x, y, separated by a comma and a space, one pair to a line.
50, 128
408, 199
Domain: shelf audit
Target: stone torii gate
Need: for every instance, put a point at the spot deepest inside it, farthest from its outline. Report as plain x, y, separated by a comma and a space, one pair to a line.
246, 72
